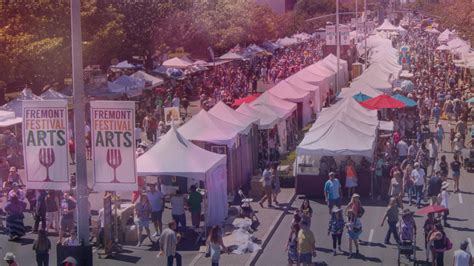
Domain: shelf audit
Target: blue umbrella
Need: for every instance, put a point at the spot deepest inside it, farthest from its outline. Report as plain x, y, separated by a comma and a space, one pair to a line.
360, 97
407, 101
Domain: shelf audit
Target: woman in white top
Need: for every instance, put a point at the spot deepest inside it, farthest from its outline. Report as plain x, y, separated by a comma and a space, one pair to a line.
443, 198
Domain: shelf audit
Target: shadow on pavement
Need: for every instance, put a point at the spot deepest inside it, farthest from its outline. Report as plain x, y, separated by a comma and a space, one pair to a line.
24, 241
464, 229
125, 258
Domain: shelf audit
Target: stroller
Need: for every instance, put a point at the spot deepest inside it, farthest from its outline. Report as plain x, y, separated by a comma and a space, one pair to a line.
407, 245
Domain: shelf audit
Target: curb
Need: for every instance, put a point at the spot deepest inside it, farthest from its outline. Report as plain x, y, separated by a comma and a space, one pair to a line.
255, 256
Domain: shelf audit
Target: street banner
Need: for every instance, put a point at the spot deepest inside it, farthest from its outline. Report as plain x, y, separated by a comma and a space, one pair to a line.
113, 145
330, 35
172, 116
45, 144
344, 32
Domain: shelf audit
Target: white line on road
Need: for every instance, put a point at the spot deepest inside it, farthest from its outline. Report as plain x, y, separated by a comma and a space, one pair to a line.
460, 197
371, 235
195, 260
470, 245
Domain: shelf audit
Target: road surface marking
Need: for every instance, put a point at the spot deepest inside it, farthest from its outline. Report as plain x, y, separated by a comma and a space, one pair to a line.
470, 245
195, 260
460, 198
371, 235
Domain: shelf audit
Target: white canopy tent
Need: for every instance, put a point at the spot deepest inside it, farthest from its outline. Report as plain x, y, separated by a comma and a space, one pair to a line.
387, 26
316, 95
224, 112
15, 104
444, 36
208, 128
443, 47
176, 156
231, 56
123, 65
177, 62
330, 62
268, 98
287, 41
287, 91
51, 94
265, 121
351, 91
307, 76
147, 78
7, 118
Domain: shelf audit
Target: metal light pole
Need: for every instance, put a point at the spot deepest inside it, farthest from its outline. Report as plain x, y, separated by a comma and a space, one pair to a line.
366, 34
338, 48
79, 119
357, 11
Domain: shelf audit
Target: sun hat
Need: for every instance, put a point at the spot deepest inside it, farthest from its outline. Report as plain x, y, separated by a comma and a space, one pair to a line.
15, 184
13, 169
332, 174
355, 195
70, 260
417, 164
9, 256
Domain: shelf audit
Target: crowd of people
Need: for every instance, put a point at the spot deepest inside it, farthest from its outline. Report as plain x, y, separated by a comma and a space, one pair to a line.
409, 168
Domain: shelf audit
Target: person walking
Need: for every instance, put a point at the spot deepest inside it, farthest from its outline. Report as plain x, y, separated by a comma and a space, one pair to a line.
443, 200
216, 244
168, 242
292, 245
456, 172
391, 215
156, 199
40, 212
354, 229
333, 192
443, 168
439, 244
418, 177
434, 188
10, 259
15, 216
41, 246
306, 212
266, 181
142, 218
52, 210
396, 188
351, 177
433, 154
461, 256
428, 226
408, 184
336, 228
194, 203
275, 183
306, 245
440, 136
355, 205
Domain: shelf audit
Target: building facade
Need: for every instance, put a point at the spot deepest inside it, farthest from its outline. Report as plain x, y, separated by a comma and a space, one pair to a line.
278, 6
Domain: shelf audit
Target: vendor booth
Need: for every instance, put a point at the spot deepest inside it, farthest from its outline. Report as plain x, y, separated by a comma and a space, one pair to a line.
286, 91
173, 155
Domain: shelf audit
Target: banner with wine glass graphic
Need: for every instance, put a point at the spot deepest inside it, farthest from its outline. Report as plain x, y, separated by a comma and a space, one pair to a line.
113, 145
45, 144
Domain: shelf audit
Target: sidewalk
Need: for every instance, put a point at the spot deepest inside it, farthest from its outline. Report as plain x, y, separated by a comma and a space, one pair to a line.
269, 220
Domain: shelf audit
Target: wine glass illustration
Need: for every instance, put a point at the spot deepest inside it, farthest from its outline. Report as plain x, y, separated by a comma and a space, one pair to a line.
46, 159
114, 160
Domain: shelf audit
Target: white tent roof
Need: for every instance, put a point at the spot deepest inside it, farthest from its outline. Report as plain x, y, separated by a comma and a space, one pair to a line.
287, 41
7, 118
231, 56
124, 65
387, 26
224, 112
288, 91
443, 47
401, 29
208, 128
272, 110
306, 76
302, 84
51, 94
268, 98
351, 91
337, 139
175, 155
176, 62
265, 120
444, 36
155, 81
15, 104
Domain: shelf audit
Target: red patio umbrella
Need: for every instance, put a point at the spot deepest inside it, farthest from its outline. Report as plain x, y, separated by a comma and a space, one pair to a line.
431, 209
381, 102
247, 99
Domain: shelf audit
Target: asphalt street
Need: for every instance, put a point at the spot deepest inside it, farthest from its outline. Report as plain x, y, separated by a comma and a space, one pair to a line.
374, 251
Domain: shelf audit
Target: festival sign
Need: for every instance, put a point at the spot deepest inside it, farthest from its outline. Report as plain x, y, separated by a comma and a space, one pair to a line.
344, 32
330, 35
45, 144
360, 28
113, 145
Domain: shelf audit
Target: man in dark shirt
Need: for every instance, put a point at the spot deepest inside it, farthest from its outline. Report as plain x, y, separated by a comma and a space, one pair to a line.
434, 187
456, 172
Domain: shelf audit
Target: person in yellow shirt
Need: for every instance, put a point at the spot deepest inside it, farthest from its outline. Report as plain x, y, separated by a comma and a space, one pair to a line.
306, 244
